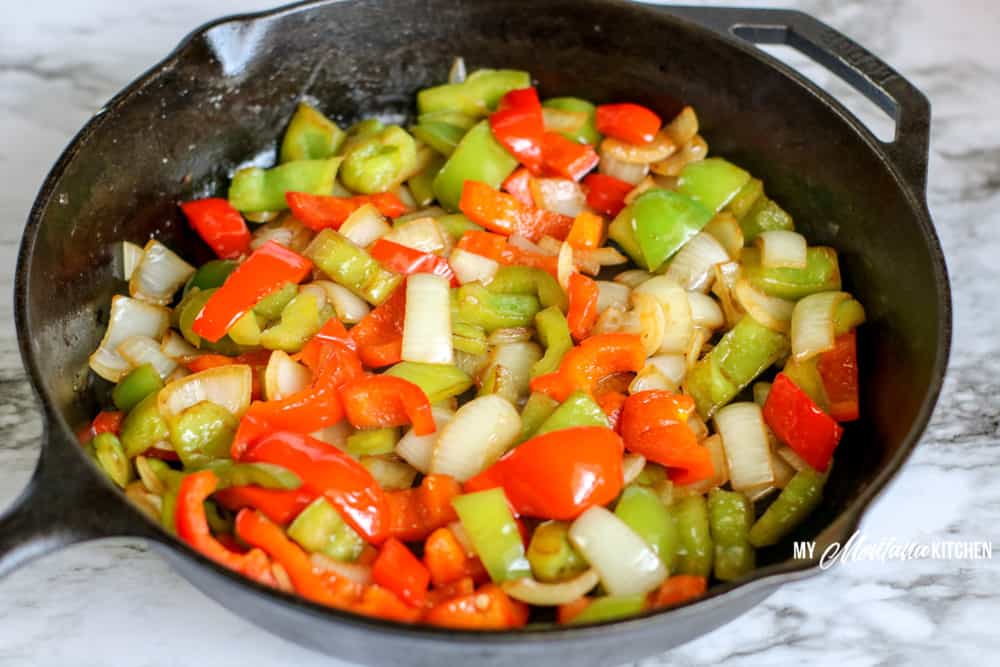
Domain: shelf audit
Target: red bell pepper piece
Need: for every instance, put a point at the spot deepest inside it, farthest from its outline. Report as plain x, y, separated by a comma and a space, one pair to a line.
558, 475
518, 125
488, 608
192, 527
220, 225
654, 424
278, 505
382, 603
447, 561
502, 213
518, 186
449, 591
798, 422
678, 589
398, 570
406, 261
566, 158
590, 361
606, 194
265, 270
611, 403
318, 212
326, 470
106, 421
838, 368
381, 401
582, 313
496, 248
415, 513
629, 122
379, 335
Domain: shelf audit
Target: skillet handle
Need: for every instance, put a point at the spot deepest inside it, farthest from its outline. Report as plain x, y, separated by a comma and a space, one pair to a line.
65, 502
857, 66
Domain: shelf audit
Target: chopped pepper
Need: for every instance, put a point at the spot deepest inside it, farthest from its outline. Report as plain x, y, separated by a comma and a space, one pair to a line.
654, 423
474, 304
319, 212
478, 157
554, 334
310, 136
798, 422
577, 410
220, 225
502, 213
405, 261
656, 225
381, 401
587, 133
378, 337
582, 313
642, 510
536, 410
137, 385
694, 554
838, 369
491, 527
518, 186
488, 608
143, 427
476, 96
110, 455
593, 359
566, 158
496, 248
606, 194
254, 189
730, 515
437, 381
352, 267
517, 124
397, 569
712, 182
416, 513
551, 554
528, 280
319, 528
380, 161
610, 608
797, 500
821, 274
301, 319
202, 433
631, 123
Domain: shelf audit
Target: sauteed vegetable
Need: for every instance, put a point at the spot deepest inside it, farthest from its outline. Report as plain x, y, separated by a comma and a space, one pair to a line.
522, 360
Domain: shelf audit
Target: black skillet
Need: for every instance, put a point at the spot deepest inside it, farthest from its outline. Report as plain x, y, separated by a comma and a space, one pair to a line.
224, 94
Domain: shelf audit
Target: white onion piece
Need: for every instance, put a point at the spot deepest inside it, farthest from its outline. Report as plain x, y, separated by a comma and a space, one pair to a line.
598, 257
402, 191
390, 473
423, 234
720, 474
287, 232
456, 73
179, 372
559, 195
470, 267
129, 317
625, 563
632, 465
612, 320
623, 171
644, 185
547, 245
726, 276
131, 256
699, 337
783, 470
727, 231
359, 574
479, 433
428, 212
463, 539
782, 248
284, 376
427, 320
673, 299
660, 148
335, 435
770, 311
513, 362
761, 390
812, 324
692, 266
139, 350
744, 438
612, 294
159, 275
227, 386
697, 426
559, 120
418, 449
564, 265
683, 127
672, 366
792, 458
365, 226
551, 595
646, 319
317, 292
649, 378
693, 151
510, 335
705, 311
633, 277
348, 306
176, 346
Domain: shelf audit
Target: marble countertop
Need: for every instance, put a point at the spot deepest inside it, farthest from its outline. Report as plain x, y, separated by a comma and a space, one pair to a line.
116, 603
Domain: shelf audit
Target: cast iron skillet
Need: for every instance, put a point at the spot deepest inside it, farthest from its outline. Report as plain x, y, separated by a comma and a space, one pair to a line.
224, 94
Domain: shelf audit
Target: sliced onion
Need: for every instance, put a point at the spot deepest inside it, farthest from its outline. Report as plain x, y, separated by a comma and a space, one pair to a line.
564, 265
727, 231
470, 267
139, 350
179, 372
365, 226
472, 365
129, 317
335, 435
547, 245
632, 465
423, 234
781, 248
559, 195
625, 563
284, 376
428, 212
427, 321
683, 127
479, 433
646, 319
783, 470
705, 311
559, 120
418, 449
612, 294
697, 426
403, 192
317, 292
770, 311
355, 572
159, 275
591, 261
633, 277
131, 256
260, 217
744, 437
176, 346
645, 185
227, 386
623, 171
692, 266
285, 231
792, 457
693, 151
456, 73
699, 337
660, 148
611, 320
390, 473
761, 390
649, 378
678, 325
672, 366
512, 363
551, 595
726, 276
510, 335
812, 324
348, 307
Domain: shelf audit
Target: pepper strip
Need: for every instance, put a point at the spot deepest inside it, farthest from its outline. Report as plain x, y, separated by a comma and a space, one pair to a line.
595, 358
566, 158
318, 212
606, 194
379, 335
518, 125
406, 261
502, 213
220, 225
382, 401
496, 248
582, 313
799, 423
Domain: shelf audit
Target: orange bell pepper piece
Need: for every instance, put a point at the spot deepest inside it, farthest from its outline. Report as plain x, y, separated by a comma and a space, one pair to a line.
566, 158
654, 424
399, 571
502, 213
565, 613
382, 603
447, 561
319, 212
488, 608
678, 589
415, 513
445, 592
382, 401
582, 313
278, 505
587, 231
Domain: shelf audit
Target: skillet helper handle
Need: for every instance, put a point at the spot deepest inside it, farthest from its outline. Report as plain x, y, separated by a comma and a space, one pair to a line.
64, 503
858, 67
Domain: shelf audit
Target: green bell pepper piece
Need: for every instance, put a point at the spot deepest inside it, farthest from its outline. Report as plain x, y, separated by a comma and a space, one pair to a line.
422, 184
660, 222
553, 333
744, 352
475, 304
468, 338
643, 512
478, 95
764, 216
478, 157
246, 330
730, 515
456, 224
610, 608
442, 137
271, 306
143, 427
694, 552
797, 500
744, 200
255, 189
137, 385
712, 182
849, 315
300, 320
203, 433
450, 117
821, 274
111, 457
579, 409
265, 475
379, 162
210, 274
551, 554
622, 231
536, 410
529, 280
361, 130
310, 136
588, 133
652, 475
352, 267
372, 442
438, 381
805, 375
486, 518
319, 528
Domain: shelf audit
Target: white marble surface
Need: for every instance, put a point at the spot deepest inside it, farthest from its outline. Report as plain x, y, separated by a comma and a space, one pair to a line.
115, 603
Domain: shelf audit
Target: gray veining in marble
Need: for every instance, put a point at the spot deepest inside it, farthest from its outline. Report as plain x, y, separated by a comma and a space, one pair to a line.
115, 603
